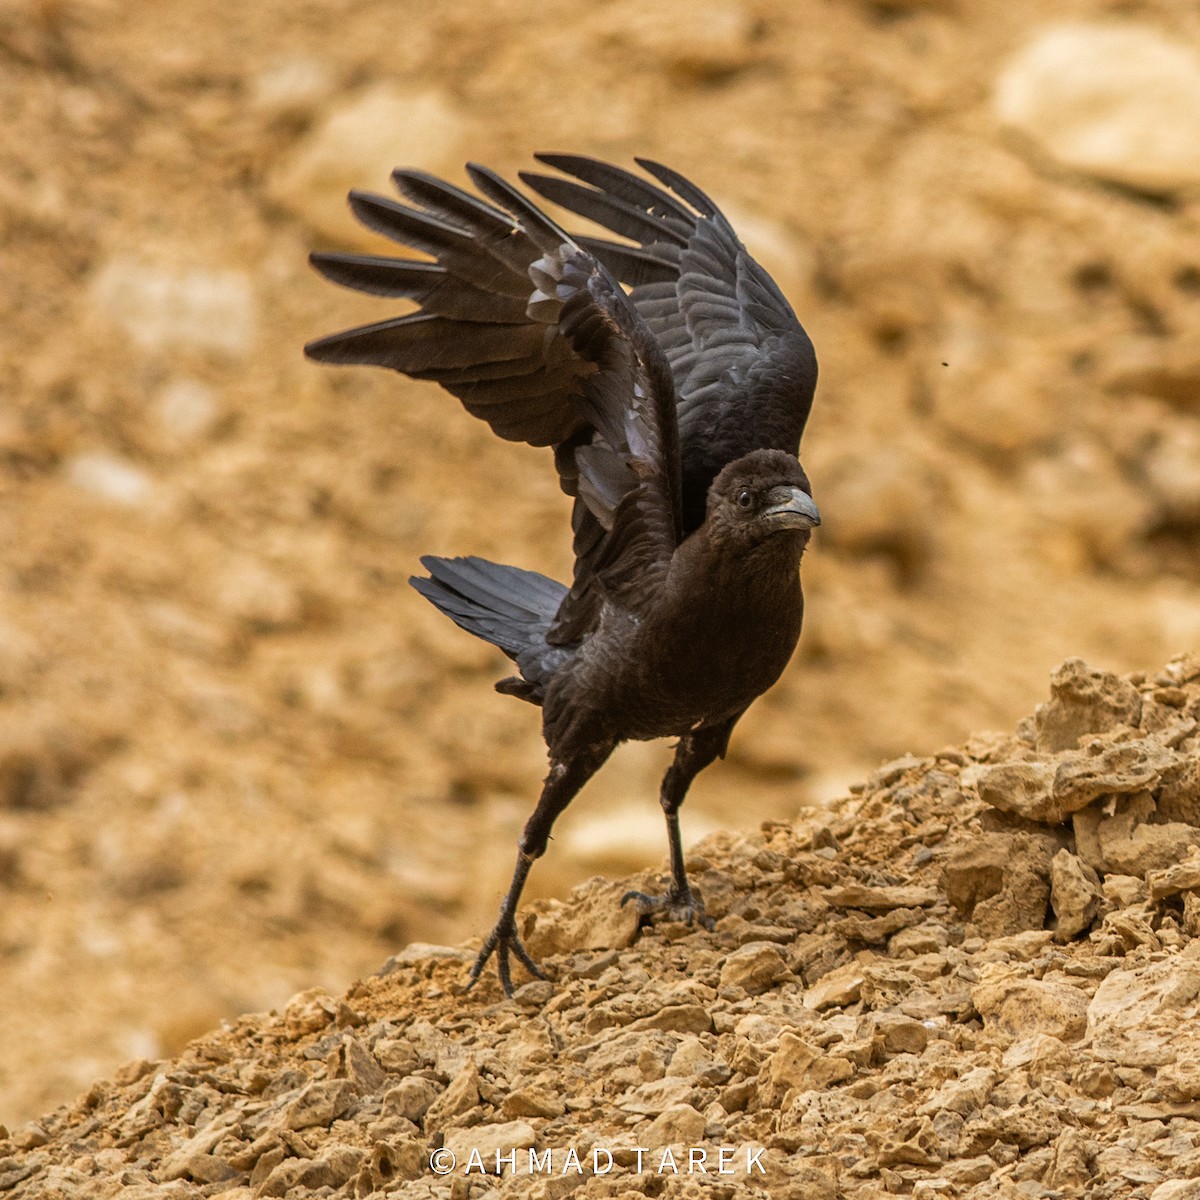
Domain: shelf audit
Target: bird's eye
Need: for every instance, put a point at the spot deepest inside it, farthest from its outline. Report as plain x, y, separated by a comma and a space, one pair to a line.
744, 498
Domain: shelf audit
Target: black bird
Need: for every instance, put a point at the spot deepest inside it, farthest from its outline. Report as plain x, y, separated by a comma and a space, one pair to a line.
674, 406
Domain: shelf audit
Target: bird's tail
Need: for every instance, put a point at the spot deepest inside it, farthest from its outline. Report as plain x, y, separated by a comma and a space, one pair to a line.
506, 606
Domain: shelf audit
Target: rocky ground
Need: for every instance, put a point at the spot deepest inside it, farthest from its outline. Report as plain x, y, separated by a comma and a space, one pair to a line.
238, 757
978, 976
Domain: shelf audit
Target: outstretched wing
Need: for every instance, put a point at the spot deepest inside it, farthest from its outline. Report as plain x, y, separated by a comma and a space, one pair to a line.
743, 366
535, 336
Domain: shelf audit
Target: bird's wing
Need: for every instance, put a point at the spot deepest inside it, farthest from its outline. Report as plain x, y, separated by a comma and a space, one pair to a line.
743, 366
537, 338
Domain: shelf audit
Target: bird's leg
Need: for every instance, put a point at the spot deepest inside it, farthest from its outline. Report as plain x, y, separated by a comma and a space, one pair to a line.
695, 751
566, 777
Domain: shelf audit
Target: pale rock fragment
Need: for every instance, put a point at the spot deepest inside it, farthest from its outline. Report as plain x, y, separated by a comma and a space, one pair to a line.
1182, 876
800, 1066
113, 480
914, 1143
1023, 1007
1179, 1081
693, 1061
1139, 1017
650, 1099
1074, 1160
532, 1101
595, 920
1041, 1051
757, 967
319, 1103
460, 1097
1177, 1189
1124, 891
1050, 791
356, 144
167, 307
411, 1098
964, 1095
1000, 882
1132, 843
309, 1011
1084, 702
841, 986
879, 899
1116, 101
186, 410
498, 1147
1075, 894
678, 1125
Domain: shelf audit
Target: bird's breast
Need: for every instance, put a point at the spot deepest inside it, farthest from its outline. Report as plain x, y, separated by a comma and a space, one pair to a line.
716, 646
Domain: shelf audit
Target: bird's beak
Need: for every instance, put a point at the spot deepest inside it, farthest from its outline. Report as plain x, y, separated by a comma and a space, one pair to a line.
791, 508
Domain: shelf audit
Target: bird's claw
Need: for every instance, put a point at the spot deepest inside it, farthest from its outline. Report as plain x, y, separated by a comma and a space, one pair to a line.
678, 905
501, 941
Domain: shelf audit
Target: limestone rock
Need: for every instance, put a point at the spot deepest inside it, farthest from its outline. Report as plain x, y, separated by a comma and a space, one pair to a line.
1132, 841
353, 1061
319, 1104
1177, 1189
460, 1097
915, 1143
600, 922
170, 307
186, 410
1050, 791
411, 1098
1146, 847
532, 1101
886, 504
1168, 370
1179, 1081
494, 1144
1042, 1051
1024, 788
798, 1065
1073, 1164
1179, 792
680, 1124
720, 44
1075, 894
1084, 702
357, 145
113, 480
841, 986
1180, 877
1172, 469
693, 1061
651, 1099
963, 1096
194, 1159
1001, 882
879, 899
1120, 102
756, 967
1023, 1007
1137, 1015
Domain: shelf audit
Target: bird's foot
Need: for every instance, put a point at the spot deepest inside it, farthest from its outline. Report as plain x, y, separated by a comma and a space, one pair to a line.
677, 904
502, 941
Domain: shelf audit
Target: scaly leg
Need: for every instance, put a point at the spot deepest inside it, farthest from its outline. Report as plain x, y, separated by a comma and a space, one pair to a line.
561, 786
695, 751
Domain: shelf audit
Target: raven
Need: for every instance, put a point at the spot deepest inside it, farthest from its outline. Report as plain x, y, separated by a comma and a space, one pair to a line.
673, 381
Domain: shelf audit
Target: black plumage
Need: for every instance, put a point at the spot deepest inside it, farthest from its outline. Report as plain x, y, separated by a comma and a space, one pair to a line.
675, 406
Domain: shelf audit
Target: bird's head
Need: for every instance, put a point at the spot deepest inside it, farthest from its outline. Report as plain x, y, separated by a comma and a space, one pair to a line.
759, 496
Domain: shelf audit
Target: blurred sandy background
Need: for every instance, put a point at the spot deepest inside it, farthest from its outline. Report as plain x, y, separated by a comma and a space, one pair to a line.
238, 755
